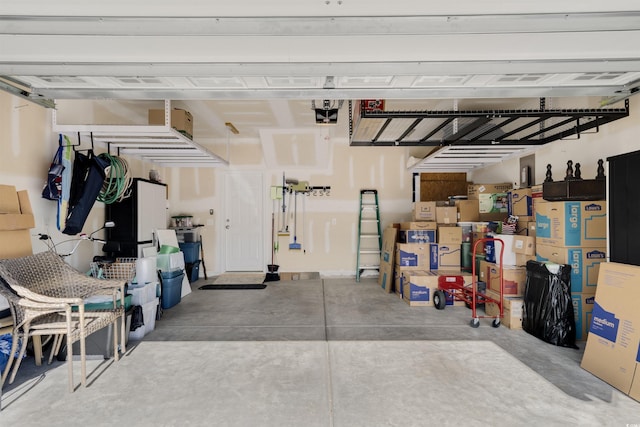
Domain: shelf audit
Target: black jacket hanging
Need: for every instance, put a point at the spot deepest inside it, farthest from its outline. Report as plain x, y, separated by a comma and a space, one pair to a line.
89, 172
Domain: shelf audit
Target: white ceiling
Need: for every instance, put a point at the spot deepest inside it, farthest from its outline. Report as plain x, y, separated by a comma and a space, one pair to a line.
260, 64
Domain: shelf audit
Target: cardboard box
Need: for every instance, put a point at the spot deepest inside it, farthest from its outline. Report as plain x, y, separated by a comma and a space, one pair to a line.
424, 211
446, 214
21, 220
511, 309
417, 232
584, 262
15, 244
514, 279
522, 259
9, 203
419, 225
525, 245
423, 284
387, 258
572, 224
531, 228
181, 120
450, 235
475, 190
468, 210
444, 256
484, 270
412, 255
477, 235
582, 311
419, 287
15, 238
398, 278
520, 204
612, 352
385, 279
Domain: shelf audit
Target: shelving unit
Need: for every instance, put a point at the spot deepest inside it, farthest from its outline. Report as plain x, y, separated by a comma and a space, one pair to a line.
159, 144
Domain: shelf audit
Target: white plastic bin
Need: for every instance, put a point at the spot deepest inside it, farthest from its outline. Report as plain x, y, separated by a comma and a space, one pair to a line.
142, 294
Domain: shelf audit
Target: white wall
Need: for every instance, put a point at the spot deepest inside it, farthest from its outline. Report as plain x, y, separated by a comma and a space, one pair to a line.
330, 223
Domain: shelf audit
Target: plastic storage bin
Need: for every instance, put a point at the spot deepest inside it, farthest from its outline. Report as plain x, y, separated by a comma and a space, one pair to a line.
191, 251
171, 287
149, 318
142, 294
193, 271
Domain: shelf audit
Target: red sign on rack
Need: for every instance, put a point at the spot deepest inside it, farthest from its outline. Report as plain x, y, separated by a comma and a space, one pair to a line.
369, 105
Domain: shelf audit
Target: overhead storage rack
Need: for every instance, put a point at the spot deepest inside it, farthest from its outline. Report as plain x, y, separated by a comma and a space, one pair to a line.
160, 144
466, 140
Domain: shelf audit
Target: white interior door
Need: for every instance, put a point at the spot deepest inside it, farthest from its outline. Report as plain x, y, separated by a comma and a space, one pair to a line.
244, 222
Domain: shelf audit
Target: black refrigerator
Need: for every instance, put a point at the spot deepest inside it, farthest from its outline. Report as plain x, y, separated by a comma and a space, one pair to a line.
137, 217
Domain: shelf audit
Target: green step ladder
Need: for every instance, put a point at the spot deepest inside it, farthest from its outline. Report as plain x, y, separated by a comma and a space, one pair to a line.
369, 233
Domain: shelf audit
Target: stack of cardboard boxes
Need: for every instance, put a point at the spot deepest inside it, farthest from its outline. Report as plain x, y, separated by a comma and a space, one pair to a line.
441, 238
16, 218
574, 233
428, 247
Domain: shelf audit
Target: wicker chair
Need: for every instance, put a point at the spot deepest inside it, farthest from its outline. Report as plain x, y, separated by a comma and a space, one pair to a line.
30, 319
44, 281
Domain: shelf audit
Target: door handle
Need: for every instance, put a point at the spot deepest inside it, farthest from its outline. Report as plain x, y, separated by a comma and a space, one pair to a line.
227, 227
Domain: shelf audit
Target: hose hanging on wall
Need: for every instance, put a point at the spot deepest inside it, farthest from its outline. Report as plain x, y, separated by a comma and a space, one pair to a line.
116, 185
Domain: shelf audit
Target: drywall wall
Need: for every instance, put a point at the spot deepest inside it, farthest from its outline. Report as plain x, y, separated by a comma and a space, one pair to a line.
28, 145
330, 230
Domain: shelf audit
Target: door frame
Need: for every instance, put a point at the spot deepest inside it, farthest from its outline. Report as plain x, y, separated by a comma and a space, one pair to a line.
249, 174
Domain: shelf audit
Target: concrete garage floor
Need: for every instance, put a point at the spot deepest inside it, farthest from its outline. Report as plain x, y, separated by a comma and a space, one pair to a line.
325, 352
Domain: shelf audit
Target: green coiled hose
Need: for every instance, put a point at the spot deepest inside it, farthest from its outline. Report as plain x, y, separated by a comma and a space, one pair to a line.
116, 184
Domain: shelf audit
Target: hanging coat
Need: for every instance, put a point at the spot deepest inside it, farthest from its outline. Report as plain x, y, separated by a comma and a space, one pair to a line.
89, 172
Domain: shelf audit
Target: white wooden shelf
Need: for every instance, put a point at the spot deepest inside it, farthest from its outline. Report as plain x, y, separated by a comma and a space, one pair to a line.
159, 144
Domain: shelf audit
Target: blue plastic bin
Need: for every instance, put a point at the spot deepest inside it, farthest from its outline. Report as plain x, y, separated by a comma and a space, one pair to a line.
191, 251
171, 289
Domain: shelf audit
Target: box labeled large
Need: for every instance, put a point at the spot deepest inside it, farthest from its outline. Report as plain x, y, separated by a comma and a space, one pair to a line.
584, 262
424, 211
612, 352
581, 224
181, 120
582, 311
444, 256
413, 255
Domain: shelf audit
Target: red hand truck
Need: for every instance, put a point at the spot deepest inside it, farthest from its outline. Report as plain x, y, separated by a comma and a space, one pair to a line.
453, 288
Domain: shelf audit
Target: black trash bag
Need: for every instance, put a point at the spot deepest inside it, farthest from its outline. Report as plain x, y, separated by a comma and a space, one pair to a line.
89, 172
137, 318
548, 309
